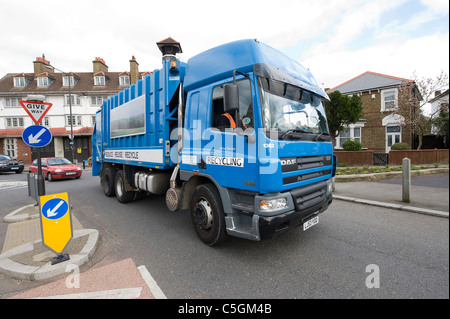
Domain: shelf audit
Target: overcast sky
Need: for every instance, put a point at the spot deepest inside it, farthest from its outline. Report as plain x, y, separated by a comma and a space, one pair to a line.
336, 39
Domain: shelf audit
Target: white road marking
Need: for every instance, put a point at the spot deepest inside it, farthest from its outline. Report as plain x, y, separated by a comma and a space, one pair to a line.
151, 283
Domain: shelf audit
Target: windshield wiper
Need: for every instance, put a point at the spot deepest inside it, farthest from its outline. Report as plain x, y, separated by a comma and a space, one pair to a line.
321, 138
288, 132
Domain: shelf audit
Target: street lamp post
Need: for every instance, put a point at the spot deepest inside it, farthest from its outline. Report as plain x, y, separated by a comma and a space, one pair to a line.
70, 109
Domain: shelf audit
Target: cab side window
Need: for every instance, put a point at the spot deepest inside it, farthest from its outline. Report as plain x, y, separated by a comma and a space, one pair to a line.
243, 118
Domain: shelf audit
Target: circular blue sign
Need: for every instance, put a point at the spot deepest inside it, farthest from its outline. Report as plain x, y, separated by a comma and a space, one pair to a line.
37, 136
55, 208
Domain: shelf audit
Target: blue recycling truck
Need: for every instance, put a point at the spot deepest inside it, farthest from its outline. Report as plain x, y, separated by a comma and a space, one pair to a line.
237, 135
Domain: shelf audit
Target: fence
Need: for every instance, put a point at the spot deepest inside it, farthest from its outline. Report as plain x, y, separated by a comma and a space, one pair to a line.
369, 157
354, 158
419, 156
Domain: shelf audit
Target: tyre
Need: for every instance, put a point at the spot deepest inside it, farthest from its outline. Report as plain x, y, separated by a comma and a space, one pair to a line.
122, 195
108, 180
207, 215
49, 177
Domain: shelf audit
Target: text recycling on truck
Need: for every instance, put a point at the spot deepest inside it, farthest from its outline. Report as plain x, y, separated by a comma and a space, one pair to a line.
237, 135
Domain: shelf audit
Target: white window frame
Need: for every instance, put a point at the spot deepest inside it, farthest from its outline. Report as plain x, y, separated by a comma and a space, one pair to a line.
19, 81
66, 81
352, 136
98, 100
12, 102
13, 122
99, 80
43, 81
76, 120
75, 99
124, 80
386, 93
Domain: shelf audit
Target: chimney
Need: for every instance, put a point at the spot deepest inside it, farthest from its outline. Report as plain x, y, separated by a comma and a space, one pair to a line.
39, 65
169, 48
134, 70
99, 65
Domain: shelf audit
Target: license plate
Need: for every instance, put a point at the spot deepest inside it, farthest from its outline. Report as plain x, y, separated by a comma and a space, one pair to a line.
309, 223
72, 173
14, 168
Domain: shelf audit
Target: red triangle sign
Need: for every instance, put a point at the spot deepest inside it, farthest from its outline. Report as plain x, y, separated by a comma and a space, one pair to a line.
36, 110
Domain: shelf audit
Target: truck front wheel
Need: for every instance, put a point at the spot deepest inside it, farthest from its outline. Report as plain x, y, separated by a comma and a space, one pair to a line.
207, 215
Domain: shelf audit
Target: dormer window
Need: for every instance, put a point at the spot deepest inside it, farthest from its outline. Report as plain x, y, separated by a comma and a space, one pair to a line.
43, 81
19, 82
99, 80
65, 80
124, 80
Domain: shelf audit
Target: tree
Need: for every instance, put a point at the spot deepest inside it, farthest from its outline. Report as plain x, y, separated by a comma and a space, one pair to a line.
413, 96
342, 110
441, 123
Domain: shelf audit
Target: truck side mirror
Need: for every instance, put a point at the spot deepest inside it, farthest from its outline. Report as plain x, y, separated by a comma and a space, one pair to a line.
230, 97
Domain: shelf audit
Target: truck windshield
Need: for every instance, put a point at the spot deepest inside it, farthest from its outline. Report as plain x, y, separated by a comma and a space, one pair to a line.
290, 109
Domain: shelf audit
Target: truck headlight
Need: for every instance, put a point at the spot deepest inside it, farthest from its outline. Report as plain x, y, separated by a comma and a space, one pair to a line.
329, 186
273, 204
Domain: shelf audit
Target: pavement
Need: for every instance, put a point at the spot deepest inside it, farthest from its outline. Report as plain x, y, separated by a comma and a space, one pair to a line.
24, 257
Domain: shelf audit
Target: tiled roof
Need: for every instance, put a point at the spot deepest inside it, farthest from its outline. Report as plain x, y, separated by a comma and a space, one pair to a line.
85, 84
369, 81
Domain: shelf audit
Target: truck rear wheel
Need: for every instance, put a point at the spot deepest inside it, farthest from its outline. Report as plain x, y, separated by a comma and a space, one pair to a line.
207, 215
122, 195
108, 180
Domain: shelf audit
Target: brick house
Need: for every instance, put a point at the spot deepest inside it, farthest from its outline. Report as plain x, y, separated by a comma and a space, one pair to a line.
380, 127
88, 91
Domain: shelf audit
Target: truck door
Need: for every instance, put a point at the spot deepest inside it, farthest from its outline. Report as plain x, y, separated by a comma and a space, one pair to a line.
229, 148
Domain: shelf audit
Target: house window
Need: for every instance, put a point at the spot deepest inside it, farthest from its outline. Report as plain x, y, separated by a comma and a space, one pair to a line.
98, 100
349, 133
93, 120
124, 80
14, 122
76, 120
19, 82
75, 99
99, 80
11, 147
389, 100
12, 102
44, 121
344, 136
42, 81
66, 81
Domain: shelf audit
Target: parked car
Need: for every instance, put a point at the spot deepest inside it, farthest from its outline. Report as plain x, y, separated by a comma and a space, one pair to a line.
7, 164
56, 168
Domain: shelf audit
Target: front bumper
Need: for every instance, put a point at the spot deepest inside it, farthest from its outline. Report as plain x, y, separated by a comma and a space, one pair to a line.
11, 168
269, 226
250, 222
63, 175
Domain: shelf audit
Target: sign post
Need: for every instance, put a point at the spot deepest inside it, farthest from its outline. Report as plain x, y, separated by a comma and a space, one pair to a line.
56, 224
36, 135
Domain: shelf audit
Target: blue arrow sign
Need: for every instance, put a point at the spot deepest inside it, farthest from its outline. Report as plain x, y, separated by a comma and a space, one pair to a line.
55, 208
37, 136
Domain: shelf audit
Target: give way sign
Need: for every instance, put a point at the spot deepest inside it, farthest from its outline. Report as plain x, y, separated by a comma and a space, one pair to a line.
36, 110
